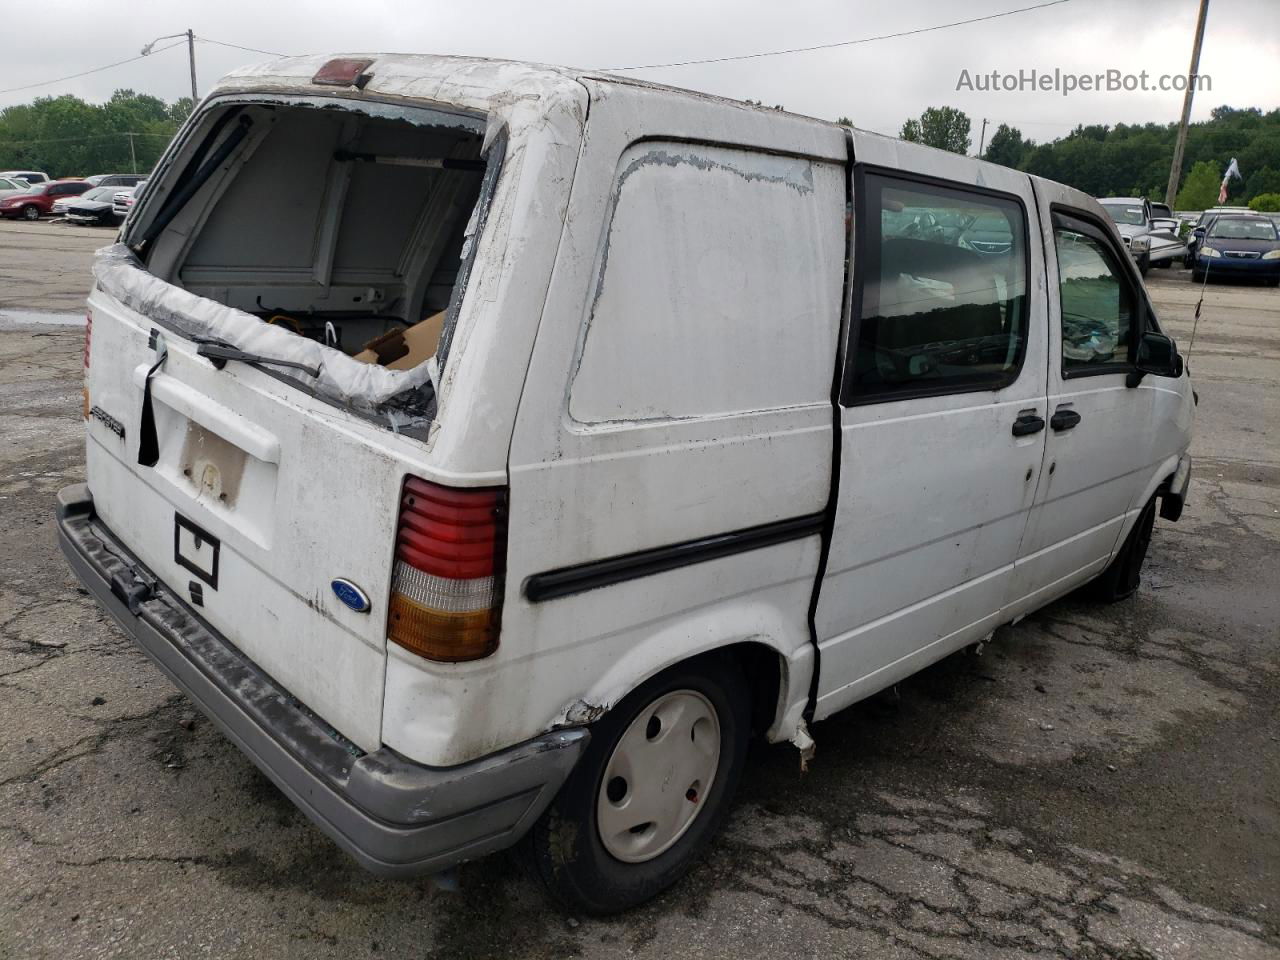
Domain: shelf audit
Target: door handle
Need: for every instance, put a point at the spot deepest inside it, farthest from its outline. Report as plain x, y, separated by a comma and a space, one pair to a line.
1064, 420
1026, 424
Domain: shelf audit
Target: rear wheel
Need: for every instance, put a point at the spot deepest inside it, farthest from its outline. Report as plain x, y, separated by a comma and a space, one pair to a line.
1121, 579
652, 789
1144, 264
30, 212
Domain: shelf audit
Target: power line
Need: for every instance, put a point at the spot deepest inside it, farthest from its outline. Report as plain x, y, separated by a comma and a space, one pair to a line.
85, 73
840, 43
236, 46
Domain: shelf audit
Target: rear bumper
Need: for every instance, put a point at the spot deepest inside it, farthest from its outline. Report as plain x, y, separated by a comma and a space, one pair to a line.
396, 817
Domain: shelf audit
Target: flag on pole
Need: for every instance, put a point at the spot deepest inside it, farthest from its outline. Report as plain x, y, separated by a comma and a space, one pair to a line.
1232, 171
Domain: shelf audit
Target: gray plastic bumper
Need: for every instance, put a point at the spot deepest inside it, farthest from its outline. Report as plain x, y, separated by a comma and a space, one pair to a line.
396, 817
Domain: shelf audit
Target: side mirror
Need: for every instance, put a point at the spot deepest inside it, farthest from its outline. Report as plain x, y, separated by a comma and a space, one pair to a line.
1157, 355
1165, 223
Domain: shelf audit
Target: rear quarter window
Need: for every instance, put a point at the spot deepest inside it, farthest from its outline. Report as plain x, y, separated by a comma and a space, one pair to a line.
718, 288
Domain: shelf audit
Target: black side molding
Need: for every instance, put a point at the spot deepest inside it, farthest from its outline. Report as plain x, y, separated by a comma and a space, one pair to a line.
643, 563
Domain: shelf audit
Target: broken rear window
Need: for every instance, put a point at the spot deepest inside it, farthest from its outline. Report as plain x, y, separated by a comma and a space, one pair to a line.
343, 223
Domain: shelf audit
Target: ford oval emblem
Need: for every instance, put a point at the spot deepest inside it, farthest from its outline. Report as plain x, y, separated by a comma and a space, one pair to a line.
351, 595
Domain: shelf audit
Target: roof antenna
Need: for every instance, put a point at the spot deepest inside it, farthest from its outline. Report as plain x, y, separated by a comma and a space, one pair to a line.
1199, 303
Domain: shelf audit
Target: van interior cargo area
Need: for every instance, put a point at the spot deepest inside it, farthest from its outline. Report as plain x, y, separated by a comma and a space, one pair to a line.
340, 222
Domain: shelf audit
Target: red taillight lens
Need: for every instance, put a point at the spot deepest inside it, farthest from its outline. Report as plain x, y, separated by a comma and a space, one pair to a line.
446, 593
88, 337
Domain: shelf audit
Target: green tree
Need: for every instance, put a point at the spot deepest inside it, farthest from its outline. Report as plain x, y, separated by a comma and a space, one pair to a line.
65, 136
1200, 188
1133, 159
1262, 180
1266, 203
180, 109
943, 127
1007, 146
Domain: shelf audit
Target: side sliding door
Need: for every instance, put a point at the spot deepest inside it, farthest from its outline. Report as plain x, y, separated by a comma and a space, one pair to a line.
942, 414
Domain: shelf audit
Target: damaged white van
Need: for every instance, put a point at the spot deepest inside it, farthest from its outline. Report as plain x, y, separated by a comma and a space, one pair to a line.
491, 450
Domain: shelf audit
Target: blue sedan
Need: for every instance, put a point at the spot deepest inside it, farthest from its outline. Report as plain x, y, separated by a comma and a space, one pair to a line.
1239, 246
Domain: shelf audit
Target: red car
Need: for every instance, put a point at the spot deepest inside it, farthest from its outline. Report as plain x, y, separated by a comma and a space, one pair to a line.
39, 199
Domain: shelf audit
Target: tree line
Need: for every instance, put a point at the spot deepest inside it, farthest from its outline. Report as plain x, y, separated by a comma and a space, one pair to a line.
68, 137
1132, 159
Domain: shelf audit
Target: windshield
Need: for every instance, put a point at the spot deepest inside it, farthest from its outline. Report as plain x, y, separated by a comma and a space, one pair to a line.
1125, 213
1241, 229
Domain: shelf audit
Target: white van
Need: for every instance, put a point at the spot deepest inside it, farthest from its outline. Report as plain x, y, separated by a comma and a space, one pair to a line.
491, 449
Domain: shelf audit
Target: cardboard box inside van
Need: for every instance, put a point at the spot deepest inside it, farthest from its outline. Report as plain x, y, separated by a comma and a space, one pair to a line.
405, 348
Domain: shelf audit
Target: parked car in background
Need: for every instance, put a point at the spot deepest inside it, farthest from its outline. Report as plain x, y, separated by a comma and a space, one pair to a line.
39, 200
560, 622
1151, 240
1198, 228
122, 201
59, 207
116, 179
93, 207
31, 176
11, 185
1239, 245
987, 236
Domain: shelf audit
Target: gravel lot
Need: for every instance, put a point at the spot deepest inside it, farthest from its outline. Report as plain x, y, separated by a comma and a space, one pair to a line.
1097, 782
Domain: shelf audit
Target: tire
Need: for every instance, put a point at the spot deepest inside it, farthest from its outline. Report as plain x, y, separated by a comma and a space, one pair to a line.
1197, 276
580, 864
1121, 578
1144, 264
30, 212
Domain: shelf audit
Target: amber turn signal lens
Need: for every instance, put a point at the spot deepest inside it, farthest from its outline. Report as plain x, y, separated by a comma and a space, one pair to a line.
439, 635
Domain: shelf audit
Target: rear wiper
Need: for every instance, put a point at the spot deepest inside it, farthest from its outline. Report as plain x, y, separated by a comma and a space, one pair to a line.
219, 353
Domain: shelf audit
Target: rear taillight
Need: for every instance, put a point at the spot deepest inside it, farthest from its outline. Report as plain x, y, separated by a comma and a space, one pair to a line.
446, 591
88, 337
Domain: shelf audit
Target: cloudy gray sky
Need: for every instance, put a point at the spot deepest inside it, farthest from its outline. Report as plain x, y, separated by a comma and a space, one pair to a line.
876, 84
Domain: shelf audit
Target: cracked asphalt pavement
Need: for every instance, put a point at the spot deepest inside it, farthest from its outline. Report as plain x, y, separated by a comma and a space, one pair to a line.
1094, 782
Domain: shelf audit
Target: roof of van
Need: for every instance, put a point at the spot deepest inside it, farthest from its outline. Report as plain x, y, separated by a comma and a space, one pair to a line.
465, 81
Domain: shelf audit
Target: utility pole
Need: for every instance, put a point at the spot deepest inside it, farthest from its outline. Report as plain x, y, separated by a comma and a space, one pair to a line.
191, 53
1175, 171
133, 157
982, 140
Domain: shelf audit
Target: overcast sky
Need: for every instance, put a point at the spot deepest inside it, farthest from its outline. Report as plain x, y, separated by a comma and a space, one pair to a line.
876, 84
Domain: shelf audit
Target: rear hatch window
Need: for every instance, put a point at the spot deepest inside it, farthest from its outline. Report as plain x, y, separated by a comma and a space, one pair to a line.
325, 240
